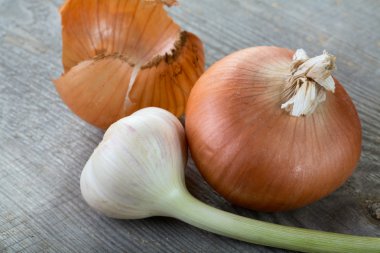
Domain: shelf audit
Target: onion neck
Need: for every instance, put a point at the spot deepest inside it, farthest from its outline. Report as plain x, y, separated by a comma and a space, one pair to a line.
185, 207
308, 83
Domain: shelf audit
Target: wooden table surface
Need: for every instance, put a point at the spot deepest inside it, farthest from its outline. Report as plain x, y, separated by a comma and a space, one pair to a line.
43, 146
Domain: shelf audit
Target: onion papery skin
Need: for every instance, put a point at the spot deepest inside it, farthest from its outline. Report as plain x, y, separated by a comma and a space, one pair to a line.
254, 153
121, 56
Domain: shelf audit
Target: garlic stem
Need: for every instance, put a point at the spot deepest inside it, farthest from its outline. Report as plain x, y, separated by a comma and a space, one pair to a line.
185, 207
310, 79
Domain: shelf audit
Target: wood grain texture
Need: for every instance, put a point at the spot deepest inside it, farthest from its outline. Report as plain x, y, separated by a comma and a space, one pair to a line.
43, 146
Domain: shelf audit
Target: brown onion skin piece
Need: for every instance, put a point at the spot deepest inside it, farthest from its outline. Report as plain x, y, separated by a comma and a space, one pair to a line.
104, 40
255, 154
136, 29
95, 90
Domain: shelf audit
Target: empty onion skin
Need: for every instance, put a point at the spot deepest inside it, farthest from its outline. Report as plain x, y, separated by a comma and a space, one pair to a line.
256, 154
121, 56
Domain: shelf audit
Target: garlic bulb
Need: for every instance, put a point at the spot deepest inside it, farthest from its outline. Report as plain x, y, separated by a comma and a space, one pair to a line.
138, 164
120, 56
137, 171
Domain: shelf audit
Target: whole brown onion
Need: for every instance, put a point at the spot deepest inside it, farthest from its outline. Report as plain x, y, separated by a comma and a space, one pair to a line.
271, 132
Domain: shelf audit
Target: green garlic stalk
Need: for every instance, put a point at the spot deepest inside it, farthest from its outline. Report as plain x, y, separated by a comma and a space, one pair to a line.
137, 171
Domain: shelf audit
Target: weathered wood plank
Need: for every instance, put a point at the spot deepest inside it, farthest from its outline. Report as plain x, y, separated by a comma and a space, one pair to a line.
43, 146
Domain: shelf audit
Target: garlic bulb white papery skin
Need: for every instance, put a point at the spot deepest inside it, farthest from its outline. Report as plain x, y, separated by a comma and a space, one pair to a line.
138, 165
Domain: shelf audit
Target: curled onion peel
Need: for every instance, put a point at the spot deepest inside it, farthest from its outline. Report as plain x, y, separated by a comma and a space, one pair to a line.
137, 171
270, 129
120, 56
